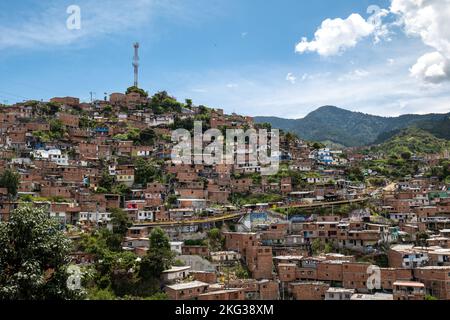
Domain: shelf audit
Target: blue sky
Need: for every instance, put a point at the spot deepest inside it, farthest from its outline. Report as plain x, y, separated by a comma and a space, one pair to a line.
239, 55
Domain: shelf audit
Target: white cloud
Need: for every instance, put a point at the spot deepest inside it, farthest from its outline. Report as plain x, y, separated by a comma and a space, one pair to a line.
429, 20
426, 19
232, 85
291, 78
432, 67
381, 31
336, 35
380, 89
355, 75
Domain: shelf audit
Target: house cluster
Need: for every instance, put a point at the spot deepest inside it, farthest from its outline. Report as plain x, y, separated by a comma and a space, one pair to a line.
406, 239
282, 238
282, 263
64, 150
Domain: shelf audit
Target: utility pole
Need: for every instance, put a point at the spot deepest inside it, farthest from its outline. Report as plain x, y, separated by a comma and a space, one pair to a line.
136, 64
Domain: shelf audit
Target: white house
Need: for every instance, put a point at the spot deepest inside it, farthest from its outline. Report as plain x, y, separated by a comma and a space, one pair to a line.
175, 246
94, 217
54, 155
175, 274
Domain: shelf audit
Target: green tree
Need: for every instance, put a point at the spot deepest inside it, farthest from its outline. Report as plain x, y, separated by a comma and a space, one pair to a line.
147, 137
120, 224
10, 180
106, 181
328, 248
51, 108
161, 102
34, 256
158, 258
179, 123
318, 145
101, 294
406, 155
316, 246
135, 89
421, 239
355, 174
120, 221
146, 171
121, 189
291, 137
215, 239
56, 128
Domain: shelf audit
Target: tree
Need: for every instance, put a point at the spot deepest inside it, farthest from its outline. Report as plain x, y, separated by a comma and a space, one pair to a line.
135, 89
291, 138
146, 171
10, 180
264, 125
422, 238
120, 221
106, 181
355, 174
316, 246
318, 145
121, 189
171, 200
179, 123
56, 129
120, 224
215, 239
406, 155
328, 248
51, 108
158, 258
161, 102
34, 257
147, 137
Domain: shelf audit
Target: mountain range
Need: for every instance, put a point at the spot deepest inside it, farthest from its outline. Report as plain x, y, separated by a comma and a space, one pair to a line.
353, 129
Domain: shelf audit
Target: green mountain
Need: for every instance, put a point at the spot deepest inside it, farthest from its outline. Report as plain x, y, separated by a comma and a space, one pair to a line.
438, 128
349, 128
412, 141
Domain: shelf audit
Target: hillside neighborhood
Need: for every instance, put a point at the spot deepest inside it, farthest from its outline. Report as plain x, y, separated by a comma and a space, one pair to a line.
347, 223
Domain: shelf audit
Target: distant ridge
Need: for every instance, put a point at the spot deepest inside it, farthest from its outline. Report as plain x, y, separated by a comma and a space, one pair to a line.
353, 129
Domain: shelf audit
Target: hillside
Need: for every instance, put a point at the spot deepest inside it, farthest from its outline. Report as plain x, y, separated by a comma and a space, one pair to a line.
413, 141
438, 128
346, 127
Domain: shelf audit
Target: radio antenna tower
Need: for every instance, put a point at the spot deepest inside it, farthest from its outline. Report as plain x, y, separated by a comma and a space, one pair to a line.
136, 63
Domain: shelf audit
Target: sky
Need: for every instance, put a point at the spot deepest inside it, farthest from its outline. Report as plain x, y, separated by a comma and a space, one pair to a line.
281, 58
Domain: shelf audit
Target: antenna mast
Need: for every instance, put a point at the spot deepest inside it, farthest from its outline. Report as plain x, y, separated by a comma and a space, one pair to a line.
136, 63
